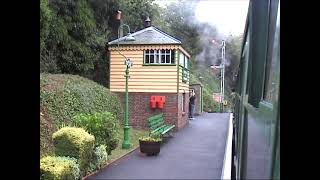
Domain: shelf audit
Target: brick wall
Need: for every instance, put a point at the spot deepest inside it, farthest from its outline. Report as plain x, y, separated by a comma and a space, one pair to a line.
140, 110
183, 116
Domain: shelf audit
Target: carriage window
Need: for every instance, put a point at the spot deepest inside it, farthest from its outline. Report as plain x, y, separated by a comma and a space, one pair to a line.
270, 86
162, 56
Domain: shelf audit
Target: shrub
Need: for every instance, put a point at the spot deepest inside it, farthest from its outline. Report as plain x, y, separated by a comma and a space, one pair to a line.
62, 96
52, 167
104, 126
99, 158
74, 142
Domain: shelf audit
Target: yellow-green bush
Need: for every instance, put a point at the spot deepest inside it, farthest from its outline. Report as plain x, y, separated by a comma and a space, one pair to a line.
54, 168
75, 142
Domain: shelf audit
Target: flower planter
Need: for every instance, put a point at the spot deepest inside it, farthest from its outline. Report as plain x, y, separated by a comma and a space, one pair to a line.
149, 147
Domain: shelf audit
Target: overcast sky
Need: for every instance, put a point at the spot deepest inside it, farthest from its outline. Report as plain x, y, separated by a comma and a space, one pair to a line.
229, 16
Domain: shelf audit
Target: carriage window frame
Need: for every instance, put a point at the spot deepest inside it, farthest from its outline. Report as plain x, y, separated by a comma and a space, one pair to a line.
273, 51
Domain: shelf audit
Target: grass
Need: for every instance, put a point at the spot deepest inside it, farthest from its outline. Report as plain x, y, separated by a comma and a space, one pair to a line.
135, 134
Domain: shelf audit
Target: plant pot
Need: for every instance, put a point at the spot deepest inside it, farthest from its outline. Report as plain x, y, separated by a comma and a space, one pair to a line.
150, 148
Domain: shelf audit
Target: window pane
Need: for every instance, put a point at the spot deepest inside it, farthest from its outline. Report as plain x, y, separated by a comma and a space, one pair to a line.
146, 57
172, 56
152, 58
163, 56
181, 59
167, 50
156, 56
168, 59
186, 62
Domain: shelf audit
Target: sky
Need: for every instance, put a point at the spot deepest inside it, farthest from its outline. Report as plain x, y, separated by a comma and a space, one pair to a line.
229, 16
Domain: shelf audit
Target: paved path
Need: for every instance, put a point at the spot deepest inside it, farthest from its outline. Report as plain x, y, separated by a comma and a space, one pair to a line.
196, 152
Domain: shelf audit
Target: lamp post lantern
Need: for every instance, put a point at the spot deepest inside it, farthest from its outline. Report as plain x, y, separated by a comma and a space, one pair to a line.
126, 138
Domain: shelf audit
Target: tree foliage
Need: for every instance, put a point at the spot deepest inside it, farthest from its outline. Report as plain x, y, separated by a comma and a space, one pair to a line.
135, 12
74, 34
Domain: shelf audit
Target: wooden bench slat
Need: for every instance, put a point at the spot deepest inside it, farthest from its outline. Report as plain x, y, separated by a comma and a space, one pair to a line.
168, 129
158, 129
155, 126
158, 126
155, 117
157, 121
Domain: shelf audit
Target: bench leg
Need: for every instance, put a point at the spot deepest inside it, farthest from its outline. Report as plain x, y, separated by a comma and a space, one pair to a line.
170, 134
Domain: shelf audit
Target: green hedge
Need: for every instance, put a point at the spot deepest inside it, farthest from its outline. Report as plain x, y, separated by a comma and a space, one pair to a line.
68, 95
74, 142
54, 168
63, 96
99, 158
104, 126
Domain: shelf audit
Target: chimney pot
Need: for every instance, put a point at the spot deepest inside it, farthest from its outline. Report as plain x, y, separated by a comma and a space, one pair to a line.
119, 15
147, 22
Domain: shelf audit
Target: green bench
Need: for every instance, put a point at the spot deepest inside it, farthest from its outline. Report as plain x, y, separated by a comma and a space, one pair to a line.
157, 125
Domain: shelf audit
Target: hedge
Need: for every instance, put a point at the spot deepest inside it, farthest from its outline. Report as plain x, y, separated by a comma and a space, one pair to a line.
54, 168
75, 142
62, 96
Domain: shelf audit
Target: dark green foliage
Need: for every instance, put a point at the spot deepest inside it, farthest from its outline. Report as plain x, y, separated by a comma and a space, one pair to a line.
52, 167
74, 34
135, 12
64, 96
104, 126
74, 142
71, 36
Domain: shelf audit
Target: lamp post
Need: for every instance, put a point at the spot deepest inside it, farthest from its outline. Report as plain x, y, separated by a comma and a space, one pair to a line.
126, 140
222, 67
223, 50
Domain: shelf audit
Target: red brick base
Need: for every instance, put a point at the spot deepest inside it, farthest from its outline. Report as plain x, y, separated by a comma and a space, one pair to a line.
140, 110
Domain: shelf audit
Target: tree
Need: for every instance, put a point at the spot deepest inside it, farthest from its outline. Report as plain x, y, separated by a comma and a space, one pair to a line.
135, 12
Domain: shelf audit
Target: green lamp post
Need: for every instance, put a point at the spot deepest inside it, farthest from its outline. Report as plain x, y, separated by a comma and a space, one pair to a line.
126, 140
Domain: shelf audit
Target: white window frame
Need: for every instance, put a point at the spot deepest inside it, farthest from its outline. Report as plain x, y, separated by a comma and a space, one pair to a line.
157, 56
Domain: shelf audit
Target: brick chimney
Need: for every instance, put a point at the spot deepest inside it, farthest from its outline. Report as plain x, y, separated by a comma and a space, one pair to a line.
147, 22
119, 19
